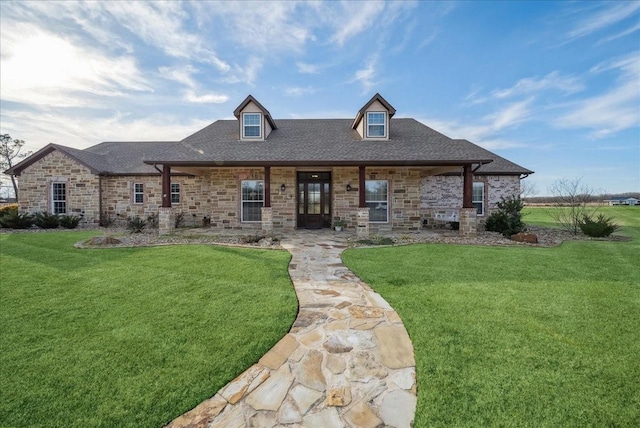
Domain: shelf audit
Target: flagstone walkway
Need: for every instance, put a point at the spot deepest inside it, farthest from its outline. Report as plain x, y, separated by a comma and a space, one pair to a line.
347, 361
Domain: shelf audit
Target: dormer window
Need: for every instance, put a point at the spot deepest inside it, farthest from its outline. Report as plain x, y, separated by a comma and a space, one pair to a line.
376, 124
251, 125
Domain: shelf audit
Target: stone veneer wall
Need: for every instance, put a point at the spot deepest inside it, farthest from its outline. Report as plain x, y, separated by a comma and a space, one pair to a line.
216, 194
82, 187
445, 191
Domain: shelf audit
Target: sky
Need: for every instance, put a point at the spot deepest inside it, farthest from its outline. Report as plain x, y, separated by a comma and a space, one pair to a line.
552, 86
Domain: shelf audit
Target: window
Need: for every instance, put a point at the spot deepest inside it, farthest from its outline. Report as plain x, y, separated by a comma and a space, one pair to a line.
175, 193
252, 200
376, 124
138, 193
59, 198
251, 125
376, 198
478, 197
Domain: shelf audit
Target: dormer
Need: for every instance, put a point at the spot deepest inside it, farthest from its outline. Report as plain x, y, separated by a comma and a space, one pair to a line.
372, 121
254, 121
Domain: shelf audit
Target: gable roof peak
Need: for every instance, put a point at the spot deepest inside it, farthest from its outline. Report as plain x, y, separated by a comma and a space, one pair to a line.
251, 99
381, 100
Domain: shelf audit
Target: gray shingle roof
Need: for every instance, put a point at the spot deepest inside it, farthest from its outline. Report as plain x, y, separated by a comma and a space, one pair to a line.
295, 142
499, 166
324, 141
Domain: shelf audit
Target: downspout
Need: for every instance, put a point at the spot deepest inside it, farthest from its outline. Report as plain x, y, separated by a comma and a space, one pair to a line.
100, 214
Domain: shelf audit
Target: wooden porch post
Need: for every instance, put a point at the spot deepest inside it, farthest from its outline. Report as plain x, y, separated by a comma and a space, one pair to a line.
166, 186
267, 186
467, 189
361, 187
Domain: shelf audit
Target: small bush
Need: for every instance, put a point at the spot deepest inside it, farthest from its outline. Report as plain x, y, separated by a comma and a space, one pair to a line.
598, 228
69, 221
8, 209
136, 224
16, 220
45, 220
152, 221
106, 220
179, 220
508, 219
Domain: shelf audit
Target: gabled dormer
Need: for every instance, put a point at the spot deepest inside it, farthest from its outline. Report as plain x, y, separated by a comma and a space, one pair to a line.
372, 121
254, 121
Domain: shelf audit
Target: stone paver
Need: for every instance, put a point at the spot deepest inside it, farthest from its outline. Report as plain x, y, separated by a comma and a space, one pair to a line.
347, 361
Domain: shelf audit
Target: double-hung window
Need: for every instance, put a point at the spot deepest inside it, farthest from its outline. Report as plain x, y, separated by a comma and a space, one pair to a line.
477, 197
377, 199
251, 125
376, 125
138, 193
59, 198
252, 200
175, 193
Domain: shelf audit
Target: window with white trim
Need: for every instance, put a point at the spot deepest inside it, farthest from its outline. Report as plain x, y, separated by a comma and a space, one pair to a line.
59, 198
252, 200
175, 193
376, 124
477, 197
251, 125
138, 193
377, 199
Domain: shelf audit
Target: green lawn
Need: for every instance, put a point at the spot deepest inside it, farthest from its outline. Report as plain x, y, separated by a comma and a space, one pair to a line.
130, 337
519, 336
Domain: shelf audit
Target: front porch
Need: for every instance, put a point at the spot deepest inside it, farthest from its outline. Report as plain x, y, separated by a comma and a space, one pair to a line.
369, 199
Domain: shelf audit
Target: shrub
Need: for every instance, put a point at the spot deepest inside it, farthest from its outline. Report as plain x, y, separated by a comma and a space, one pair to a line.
598, 228
508, 219
8, 209
69, 221
136, 224
152, 221
179, 220
106, 220
45, 220
16, 220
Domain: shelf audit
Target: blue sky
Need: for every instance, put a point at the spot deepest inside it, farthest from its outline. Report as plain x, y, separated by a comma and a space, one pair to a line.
552, 86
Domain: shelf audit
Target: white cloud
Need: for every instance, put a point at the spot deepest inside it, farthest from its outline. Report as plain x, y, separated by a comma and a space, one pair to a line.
621, 34
306, 68
81, 131
614, 110
262, 27
510, 116
354, 18
553, 80
184, 76
297, 91
612, 14
38, 67
366, 76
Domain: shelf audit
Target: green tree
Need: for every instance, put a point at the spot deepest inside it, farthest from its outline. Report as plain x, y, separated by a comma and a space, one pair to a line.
10, 155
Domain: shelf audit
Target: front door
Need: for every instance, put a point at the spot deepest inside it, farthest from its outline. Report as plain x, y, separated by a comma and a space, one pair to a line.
314, 199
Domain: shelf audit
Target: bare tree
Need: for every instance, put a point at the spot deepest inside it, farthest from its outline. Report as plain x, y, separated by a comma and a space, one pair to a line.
9, 155
527, 189
571, 203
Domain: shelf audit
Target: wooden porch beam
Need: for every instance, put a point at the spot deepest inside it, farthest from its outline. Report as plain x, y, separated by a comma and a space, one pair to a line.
467, 187
166, 186
361, 187
267, 186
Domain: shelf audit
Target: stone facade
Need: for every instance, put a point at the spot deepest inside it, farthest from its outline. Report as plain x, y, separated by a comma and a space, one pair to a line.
215, 194
442, 192
82, 187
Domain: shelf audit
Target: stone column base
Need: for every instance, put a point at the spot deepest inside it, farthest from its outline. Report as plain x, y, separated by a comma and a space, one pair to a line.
468, 222
267, 220
166, 221
362, 223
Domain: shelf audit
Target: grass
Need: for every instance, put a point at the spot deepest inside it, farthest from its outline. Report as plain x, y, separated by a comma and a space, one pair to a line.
130, 337
519, 336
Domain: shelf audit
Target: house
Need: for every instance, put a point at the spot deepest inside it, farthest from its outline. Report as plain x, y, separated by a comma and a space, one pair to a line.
375, 171
623, 200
